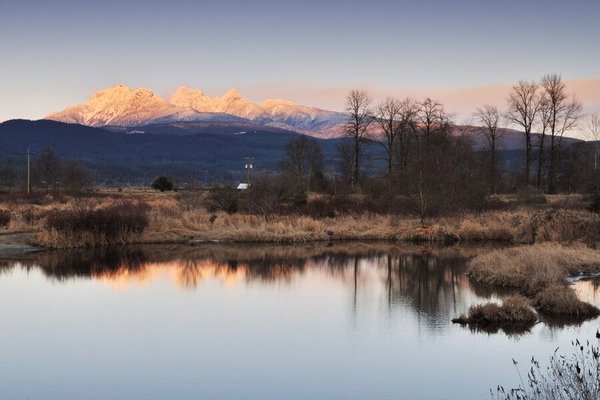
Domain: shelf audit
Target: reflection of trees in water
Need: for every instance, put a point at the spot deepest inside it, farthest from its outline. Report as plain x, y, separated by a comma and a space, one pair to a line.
190, 274
132, 262
5, 266
91, 263
427, 282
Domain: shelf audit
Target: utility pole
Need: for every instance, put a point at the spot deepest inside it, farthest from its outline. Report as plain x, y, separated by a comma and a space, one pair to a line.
29, 154
249, 161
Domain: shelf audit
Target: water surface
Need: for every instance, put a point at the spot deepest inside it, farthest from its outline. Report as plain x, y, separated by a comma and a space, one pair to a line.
351, 321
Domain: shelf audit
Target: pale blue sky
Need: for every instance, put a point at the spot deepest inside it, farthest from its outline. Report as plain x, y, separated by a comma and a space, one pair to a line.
57, 53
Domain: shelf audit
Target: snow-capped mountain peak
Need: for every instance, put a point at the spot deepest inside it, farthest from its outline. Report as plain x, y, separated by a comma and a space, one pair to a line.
190, 98
232, 94
119, 105
123, 106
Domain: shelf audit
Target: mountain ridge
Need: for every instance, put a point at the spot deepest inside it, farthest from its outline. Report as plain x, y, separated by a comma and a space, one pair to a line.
123, 106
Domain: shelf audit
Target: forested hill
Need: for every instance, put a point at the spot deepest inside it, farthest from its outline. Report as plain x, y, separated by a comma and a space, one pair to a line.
132, 156
135, 156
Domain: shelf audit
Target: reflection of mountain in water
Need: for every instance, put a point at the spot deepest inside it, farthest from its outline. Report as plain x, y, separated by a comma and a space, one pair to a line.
430, 282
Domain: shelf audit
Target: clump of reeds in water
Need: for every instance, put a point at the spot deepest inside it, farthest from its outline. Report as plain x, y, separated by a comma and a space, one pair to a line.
539, 272
513, 315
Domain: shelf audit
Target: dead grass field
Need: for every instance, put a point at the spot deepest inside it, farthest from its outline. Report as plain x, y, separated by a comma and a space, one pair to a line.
172, 220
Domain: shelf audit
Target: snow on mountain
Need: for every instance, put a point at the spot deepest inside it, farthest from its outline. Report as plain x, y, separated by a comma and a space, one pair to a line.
283, 113
123, 106
196, 116
278, 113
191, 98
119, 105
231, 103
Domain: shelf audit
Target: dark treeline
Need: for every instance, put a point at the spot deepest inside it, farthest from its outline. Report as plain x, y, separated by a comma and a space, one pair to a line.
45, 171
420, 139
430, 164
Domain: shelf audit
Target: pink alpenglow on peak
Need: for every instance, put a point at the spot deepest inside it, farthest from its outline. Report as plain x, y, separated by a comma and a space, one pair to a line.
123, 106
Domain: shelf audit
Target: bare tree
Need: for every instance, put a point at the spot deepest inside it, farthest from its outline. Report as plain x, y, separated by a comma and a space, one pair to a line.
75, 176
304, 162
593, 135
7, 175
433, 118
488, 117
593, 127
358, 107
523, 106
47, 168
565, 112
388, 117
544, 123
409, 112
428, 183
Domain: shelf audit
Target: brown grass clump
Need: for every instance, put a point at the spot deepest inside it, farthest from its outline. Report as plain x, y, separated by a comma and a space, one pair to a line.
513, 314
533, 268
5, 217
560, 225
539, 272
560, 301
114, 224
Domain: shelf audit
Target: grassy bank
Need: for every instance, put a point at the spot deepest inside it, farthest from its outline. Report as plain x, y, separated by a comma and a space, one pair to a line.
98, 219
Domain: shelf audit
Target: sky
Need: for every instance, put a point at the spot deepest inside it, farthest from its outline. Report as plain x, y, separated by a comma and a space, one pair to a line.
465, 52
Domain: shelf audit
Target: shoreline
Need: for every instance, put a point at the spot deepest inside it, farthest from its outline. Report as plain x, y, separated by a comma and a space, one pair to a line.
18, 243
22, 243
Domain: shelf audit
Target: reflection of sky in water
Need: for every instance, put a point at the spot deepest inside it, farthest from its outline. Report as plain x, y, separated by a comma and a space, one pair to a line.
330, 327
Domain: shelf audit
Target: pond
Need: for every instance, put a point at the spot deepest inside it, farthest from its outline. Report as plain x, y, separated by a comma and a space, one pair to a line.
348, 321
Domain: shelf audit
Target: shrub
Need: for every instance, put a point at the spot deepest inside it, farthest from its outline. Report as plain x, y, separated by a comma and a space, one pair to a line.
531, 195
552, 225
595, 206
29, 216
5, 217
223, 199
267, 195
85, 227
162, 183
563, 302
513, 314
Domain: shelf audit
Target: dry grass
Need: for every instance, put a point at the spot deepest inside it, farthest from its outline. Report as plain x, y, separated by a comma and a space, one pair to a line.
574, 376
514, 314
174, 218
560, 301
539, 272
560, 225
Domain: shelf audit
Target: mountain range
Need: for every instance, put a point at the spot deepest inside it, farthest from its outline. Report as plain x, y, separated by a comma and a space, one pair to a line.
132, 135
192, 110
